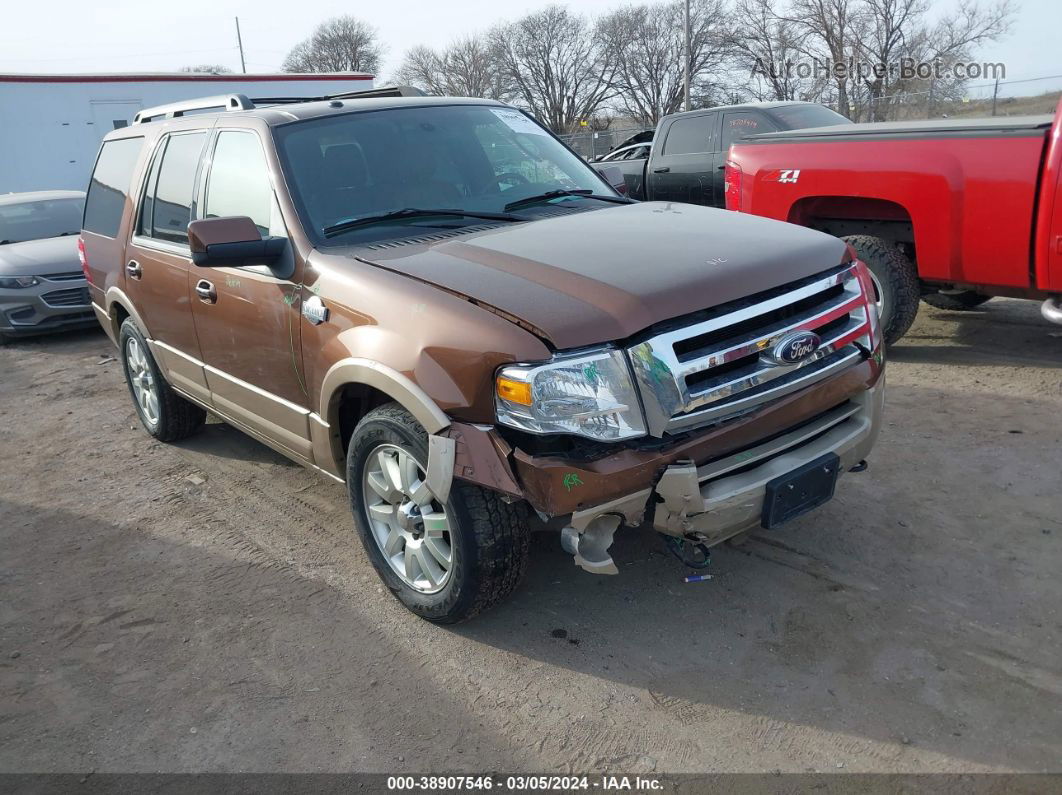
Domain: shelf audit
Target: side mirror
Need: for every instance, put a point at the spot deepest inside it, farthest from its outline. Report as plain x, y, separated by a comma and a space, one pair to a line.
231, 241
613, 175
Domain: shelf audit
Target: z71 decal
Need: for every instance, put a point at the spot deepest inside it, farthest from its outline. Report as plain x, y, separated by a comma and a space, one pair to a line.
789, 175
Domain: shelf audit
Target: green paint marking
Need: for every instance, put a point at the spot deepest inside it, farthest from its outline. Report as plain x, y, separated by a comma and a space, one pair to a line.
590, 371
572, 479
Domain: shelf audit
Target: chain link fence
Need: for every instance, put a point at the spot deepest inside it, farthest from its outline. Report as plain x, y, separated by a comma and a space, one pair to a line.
593, 144
972, 100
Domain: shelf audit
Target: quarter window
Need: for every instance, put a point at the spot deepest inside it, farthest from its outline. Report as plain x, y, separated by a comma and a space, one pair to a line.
170, 199
239, 180
110, 185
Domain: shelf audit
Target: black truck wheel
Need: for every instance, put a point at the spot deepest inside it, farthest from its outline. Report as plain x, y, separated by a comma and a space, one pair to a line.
445, 560
895, 282
956, 301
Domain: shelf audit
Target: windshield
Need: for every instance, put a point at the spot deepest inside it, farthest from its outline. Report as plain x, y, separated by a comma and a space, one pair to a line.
477, 158
40, 219
797, 117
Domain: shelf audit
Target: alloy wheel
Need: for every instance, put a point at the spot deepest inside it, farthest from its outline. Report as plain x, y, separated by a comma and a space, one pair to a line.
145, 389
408, 523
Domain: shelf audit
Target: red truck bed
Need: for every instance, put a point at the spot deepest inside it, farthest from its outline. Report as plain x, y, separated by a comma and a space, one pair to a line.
973, 203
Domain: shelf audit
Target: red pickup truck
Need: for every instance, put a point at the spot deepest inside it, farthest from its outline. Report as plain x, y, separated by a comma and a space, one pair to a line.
951, 212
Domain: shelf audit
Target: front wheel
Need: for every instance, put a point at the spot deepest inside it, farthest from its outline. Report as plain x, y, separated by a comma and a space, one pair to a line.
896, 286
444, 560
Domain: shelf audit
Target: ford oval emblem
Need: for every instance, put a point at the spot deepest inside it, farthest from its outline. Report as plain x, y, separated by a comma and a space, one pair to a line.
795, 348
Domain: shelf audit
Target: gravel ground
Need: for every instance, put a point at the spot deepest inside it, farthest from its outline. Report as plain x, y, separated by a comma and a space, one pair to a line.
206, 606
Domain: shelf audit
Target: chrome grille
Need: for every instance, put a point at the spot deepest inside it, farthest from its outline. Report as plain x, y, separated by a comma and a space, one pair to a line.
719, 368
75, 296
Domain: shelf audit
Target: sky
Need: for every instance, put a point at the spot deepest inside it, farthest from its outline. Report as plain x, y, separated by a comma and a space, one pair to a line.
123, 36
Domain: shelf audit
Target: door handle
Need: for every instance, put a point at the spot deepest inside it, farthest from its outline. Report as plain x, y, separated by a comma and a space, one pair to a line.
206, 292
662, 170
133, 269
721, 167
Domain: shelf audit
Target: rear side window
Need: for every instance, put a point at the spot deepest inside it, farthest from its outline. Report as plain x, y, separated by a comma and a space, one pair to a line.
690, 136
109, 187
239, 180
737, 125
168, 199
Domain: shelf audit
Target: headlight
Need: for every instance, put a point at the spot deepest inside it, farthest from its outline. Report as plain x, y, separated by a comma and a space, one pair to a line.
588, 394
18, 282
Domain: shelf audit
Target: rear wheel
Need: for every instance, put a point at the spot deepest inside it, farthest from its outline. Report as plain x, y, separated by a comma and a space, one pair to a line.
956, 300
895, 283
445, 560
164, 414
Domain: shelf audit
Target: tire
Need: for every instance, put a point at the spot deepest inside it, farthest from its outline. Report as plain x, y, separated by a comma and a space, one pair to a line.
961, 301
487, 538
896, 279
169, 417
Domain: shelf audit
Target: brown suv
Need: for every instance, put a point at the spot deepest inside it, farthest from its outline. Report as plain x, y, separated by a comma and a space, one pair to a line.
436, 302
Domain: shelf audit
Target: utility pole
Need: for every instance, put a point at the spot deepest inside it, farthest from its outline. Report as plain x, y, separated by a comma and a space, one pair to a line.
239, 40
688, 58
995, 93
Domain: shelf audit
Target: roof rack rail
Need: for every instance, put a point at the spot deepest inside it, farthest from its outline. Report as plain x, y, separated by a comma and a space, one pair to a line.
176, 109
386, 91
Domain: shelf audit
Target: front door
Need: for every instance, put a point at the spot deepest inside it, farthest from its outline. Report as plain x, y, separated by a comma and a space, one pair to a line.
158, 259
248, 318
683, 170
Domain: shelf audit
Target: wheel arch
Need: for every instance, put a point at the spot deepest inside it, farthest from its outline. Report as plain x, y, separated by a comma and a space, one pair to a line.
354, 386
855, 215
119, 307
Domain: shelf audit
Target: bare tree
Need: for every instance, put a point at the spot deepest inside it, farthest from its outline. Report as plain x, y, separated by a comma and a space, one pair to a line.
769, 47
466, 68
648, 48
207, 69
831, 27
556, 64
340, 44
896, 31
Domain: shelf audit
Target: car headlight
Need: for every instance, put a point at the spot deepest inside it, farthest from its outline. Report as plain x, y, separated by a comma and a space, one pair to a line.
588, 394
18, 282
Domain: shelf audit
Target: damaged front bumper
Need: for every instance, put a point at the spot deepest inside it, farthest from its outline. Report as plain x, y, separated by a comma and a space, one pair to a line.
707, 488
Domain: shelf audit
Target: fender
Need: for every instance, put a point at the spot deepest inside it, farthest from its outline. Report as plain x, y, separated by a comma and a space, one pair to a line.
353, 370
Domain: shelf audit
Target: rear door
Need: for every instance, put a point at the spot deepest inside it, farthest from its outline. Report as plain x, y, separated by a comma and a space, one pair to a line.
249, 318
682, 162
158, 258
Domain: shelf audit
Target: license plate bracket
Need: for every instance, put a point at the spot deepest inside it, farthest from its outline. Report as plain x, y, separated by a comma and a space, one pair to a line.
801, 490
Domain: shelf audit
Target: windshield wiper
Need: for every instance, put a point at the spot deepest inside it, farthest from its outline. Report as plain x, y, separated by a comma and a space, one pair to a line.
582, 193
414, 212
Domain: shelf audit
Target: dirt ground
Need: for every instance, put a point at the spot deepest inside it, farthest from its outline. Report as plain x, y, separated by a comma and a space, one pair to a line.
207, 607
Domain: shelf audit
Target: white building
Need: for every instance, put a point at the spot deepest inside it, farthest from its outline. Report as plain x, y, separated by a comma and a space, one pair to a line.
51, 125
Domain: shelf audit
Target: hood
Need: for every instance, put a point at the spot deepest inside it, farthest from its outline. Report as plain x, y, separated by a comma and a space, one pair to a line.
603, 275
37, 257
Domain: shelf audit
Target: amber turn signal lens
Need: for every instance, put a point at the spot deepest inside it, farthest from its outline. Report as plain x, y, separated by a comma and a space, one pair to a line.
514, 391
